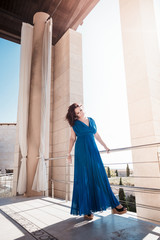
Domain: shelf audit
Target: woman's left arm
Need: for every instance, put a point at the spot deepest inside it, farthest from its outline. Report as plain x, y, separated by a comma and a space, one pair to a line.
99, 139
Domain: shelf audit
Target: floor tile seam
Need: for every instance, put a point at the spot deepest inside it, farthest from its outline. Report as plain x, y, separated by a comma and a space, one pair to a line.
50, 214
60, 204
35, 218
39, 208
20, 210
60, 209
44, 222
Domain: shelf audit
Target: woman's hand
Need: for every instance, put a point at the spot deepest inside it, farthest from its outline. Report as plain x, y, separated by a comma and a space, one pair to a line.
107, 149
69, 158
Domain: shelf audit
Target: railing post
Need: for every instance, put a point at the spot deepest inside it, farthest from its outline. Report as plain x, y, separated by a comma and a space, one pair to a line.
66, 179
158, 157
52, 183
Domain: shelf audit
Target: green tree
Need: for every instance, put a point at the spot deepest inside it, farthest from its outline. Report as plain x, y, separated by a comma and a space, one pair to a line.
108, 172
127, 170
122, 197
120, 181
116, 172
131, 203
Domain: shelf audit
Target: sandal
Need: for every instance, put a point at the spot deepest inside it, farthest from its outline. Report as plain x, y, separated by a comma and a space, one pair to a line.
89, 216
119, 210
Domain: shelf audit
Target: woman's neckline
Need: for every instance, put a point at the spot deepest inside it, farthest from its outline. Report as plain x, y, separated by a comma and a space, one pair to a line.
85, 123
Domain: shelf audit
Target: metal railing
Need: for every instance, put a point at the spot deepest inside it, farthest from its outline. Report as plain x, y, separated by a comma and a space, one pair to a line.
6, 184
6, 180
131, 189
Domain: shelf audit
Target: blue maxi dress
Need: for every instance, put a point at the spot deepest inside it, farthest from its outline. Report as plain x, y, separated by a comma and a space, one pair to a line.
91, 189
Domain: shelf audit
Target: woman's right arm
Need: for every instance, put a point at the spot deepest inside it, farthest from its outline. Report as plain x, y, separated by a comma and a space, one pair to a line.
71, 143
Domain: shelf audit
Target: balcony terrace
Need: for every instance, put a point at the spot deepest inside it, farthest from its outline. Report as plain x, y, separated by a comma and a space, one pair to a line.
49, 218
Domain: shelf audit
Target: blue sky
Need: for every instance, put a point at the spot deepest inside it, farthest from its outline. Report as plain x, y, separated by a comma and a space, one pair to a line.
9, 80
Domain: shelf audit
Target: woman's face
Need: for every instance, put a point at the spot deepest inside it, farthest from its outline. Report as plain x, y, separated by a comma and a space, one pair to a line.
79, 112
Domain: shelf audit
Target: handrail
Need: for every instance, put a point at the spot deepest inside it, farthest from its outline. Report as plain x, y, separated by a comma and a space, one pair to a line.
132, 147
67, 181
113, 150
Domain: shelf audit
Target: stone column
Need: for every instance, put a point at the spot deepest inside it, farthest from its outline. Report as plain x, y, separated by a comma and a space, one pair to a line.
67, 89
35, 100
142, 68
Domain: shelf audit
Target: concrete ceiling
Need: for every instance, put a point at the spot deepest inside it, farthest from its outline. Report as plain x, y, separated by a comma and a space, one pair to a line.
65, 14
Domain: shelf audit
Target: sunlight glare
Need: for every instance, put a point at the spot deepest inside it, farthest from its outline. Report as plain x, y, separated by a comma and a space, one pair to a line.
156, 230
150, 236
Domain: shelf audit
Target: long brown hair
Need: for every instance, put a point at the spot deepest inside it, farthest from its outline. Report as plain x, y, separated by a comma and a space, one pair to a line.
71, 115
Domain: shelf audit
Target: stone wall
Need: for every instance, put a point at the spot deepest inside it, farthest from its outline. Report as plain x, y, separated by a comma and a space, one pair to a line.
67, 88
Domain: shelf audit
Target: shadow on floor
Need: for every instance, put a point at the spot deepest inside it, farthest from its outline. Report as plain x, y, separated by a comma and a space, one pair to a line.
103, 228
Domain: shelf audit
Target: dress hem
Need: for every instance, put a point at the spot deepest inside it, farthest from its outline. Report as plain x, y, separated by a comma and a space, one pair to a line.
93, 211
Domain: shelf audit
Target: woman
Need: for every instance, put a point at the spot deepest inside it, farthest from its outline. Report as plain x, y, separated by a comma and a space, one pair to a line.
91, 190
